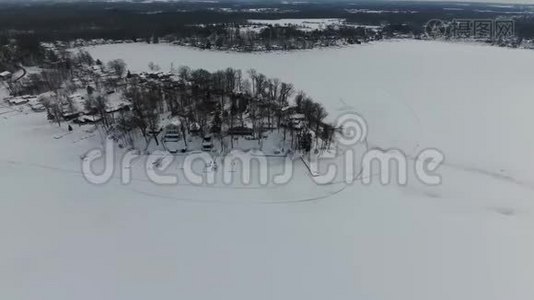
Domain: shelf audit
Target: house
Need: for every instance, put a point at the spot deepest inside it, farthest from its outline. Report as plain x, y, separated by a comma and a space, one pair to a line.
297, 121
46, 96
37, 107
207, 143
194, 128
18, 101
76, 98
116, 107
84, 119
6, 75
290, 109
68, 116
172, 133
240, 130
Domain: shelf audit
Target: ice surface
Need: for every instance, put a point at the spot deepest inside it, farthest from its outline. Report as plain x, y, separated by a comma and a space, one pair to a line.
470, 238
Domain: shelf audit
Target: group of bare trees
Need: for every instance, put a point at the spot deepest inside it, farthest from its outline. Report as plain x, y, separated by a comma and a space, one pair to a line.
220, 103
118, 66
287, 37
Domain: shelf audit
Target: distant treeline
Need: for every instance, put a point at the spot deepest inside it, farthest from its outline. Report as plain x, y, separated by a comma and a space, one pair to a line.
68, 21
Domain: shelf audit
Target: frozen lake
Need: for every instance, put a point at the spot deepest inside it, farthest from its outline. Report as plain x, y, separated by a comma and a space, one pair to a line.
472, 102
469, 238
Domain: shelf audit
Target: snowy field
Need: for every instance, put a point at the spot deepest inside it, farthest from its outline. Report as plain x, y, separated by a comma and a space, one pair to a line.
469, 238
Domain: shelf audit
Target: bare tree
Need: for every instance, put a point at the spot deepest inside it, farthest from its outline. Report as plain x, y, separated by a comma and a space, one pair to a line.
153, 67
118, 66
57, 112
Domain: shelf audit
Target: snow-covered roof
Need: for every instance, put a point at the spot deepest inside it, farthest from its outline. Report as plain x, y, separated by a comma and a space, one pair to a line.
88, 119
75, 96
285, 108
36, 105
116, 107
18, 100
175, 121
46, 94
194, 126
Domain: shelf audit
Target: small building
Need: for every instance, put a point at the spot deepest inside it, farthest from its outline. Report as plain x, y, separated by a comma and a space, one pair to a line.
171, 134
207, 143
6, 75
84, 119
68, 116
194, 128
297, 121
117, 107
240, 130
37, 107
18, 101
172, 129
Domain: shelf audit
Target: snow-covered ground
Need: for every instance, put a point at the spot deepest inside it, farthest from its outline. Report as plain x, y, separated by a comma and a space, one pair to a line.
469, 238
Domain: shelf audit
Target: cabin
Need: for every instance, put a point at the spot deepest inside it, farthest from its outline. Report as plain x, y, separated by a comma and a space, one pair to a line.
84, 119
171, 135
194, 128
172, 131
18, 100
207, 143
117, 107
76, 98
240, 130
6, 75
37, 107
297, 121
69, 116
